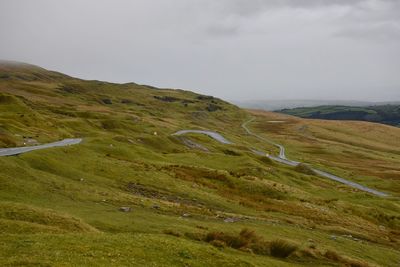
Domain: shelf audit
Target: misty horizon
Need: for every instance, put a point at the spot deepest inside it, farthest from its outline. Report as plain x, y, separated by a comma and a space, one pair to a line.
236, 101
235, 50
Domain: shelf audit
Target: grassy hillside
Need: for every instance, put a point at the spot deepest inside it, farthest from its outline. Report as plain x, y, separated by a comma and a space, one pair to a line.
386, 114
190, 206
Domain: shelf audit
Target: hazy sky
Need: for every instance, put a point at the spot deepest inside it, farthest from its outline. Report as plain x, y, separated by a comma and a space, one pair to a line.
234, 49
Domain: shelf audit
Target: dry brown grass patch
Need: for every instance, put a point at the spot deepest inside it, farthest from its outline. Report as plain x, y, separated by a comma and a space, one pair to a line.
334, 256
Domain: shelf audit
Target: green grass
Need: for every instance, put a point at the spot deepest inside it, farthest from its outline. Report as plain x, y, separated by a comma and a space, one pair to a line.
120, 250
60, 206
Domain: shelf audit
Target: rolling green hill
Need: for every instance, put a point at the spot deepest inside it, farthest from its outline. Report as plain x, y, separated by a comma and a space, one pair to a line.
132, 194
386, 114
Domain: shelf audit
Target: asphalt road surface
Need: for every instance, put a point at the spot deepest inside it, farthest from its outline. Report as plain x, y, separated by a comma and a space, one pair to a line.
20, 150
214, 135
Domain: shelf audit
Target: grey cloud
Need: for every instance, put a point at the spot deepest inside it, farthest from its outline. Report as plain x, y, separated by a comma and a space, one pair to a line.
375, 32
234, 49
223, 29
369, 19
245, 7
373, 20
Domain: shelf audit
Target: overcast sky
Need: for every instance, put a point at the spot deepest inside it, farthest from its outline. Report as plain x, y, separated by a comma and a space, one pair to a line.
234, 49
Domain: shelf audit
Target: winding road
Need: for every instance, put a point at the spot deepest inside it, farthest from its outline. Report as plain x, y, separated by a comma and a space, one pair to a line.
20, 150
282, 157
214, 135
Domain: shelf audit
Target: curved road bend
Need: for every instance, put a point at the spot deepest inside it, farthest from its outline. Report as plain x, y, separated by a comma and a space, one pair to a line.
282, 156
281, 148
21, 150
213, 135
282, 159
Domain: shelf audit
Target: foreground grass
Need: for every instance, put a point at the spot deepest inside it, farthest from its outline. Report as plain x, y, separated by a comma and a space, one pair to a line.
119, 250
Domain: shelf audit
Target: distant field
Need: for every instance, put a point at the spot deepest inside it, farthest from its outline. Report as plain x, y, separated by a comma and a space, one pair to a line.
386, 114
354, 147
131, 194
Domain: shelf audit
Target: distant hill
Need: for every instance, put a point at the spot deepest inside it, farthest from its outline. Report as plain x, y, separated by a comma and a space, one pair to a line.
386, 114
271, 105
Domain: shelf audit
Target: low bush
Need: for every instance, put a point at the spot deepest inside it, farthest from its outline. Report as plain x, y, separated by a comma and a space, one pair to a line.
247, 240
230, 152
332, 255
171, 232
261, 247
6, 141
110, 124
305, 169
195, 236
218, 243
281, 248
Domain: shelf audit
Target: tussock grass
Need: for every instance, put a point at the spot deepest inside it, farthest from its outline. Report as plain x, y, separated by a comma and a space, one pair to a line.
171, 232
335, 257
7, 99
303, 168
6, 141
247, 240
24, 218
282, 248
